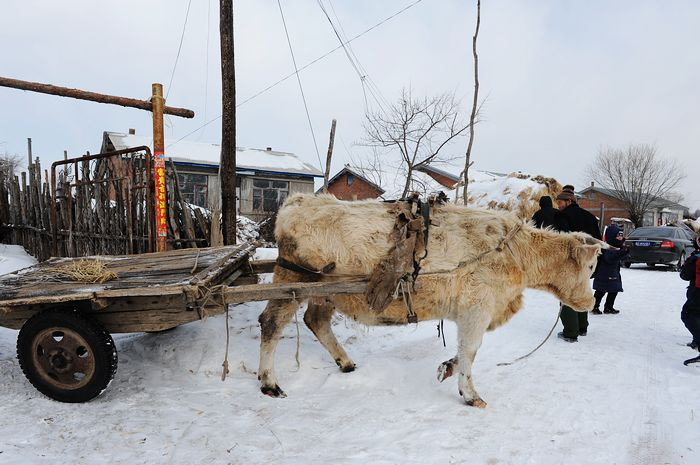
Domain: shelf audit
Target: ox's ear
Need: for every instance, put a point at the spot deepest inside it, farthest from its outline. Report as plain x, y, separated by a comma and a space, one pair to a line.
584, 254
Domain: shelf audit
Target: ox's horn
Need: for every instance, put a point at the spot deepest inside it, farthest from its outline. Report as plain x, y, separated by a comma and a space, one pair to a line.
588, 240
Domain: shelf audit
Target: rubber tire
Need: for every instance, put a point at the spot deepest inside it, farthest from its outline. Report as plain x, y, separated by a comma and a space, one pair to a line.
101, 346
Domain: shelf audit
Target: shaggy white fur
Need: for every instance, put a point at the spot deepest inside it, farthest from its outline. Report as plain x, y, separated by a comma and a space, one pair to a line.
462, 278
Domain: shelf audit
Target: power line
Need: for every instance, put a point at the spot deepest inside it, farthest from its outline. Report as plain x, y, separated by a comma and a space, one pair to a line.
182, 38
280, 81
206, 67
301, 88
365, 79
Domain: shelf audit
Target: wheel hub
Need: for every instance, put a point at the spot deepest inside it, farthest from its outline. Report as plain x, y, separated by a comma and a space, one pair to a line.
63, 358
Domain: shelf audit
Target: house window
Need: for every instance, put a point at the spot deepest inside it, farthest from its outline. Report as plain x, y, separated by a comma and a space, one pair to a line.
351, 178
194, 188
268, 195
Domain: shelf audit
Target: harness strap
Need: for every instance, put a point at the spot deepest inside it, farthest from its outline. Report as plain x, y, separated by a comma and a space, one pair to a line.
302, 269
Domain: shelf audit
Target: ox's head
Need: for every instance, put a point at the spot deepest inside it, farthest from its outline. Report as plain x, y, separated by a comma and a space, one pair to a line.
570, 278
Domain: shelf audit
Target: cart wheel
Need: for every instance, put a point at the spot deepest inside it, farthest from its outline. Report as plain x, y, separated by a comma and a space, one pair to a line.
66, 356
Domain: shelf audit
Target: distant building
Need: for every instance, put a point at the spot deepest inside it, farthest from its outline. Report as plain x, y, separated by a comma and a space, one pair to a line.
350, 185
606, 204
444, 178
264, 177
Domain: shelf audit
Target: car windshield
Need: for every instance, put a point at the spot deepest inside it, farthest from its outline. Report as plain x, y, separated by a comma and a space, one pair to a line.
653, 232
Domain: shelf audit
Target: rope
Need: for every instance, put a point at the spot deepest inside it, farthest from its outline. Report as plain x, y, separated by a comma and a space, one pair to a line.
536, 348
296, 322
225, 371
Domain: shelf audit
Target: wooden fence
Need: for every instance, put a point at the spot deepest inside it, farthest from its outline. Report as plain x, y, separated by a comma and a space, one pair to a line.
96, 205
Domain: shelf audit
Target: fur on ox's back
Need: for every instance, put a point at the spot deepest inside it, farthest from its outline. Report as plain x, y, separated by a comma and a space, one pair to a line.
317, 230
478, 294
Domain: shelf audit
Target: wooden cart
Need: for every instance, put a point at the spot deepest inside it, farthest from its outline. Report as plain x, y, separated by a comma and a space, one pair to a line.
64, 346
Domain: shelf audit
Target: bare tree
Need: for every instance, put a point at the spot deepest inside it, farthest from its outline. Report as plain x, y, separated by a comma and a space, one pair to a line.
639, 176
8, 166
419, 129
468, 158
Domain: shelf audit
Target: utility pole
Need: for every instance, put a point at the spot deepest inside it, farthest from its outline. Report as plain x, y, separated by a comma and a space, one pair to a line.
227, 166
329, 155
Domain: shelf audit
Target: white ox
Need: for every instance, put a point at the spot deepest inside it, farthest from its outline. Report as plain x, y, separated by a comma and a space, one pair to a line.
478, 294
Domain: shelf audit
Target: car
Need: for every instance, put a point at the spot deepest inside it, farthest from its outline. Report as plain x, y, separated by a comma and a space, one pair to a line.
665, 245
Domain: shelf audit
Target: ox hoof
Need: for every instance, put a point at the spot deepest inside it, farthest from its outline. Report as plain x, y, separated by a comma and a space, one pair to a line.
347, 367
478, 403
273, 391
444, 371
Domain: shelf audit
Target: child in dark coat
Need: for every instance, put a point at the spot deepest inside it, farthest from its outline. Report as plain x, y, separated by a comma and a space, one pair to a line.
607, 278
691, 309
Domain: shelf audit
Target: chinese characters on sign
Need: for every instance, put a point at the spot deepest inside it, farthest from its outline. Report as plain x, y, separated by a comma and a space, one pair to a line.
161, 213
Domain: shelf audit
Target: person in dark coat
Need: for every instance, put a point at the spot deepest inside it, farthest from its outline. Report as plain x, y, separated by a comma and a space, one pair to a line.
544, 217
570, 218
607, 278
690, 314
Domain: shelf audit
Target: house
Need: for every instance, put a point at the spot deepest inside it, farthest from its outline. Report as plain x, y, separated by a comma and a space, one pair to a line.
606, 204
264, 177
348, 184
444, 178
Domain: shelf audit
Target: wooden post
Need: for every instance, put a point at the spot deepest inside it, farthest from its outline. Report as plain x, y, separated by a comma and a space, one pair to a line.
29, 154
159, 168
227, 167
602, 217
92, 96
328, 157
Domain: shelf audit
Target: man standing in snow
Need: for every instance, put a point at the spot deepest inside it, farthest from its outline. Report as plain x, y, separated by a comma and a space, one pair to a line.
544, 217
572, 218
691, 309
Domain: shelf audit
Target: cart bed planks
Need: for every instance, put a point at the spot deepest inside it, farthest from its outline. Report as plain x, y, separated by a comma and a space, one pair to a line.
152, 292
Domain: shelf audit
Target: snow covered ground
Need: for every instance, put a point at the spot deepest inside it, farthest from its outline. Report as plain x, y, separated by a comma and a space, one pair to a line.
619, 396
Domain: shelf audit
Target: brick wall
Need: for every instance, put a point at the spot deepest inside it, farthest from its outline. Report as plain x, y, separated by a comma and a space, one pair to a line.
358, 189
443, 180
613, 207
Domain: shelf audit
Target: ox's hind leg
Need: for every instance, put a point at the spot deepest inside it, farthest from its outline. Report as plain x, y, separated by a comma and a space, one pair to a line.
471, 330
318, 319
447, 368
273, 319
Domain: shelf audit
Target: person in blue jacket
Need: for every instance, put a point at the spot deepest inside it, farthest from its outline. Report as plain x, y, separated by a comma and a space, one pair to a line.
607, 278
690, 314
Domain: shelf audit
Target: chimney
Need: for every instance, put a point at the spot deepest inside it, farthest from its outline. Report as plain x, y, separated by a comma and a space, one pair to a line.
592, 184
132, 131
269, 149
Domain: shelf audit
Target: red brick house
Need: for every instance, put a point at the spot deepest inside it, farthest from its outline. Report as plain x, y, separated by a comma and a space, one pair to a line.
350, 185
444, 178
606, 204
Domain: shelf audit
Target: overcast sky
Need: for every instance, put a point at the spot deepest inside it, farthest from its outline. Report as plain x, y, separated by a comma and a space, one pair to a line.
562, 78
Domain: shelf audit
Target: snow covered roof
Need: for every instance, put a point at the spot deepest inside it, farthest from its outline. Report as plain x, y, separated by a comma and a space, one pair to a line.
204, 153
518, 192
347, 169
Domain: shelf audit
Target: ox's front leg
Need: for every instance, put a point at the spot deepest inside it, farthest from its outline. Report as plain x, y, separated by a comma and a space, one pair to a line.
471, 328
318, 319
273, 319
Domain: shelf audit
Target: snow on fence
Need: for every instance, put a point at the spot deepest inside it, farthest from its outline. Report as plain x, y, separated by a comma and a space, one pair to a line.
99, 205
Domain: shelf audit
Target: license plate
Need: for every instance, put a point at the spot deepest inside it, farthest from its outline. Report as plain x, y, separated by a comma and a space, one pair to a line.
643, 244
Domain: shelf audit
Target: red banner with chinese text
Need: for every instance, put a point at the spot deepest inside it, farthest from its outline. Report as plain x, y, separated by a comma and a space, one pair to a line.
161, 199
